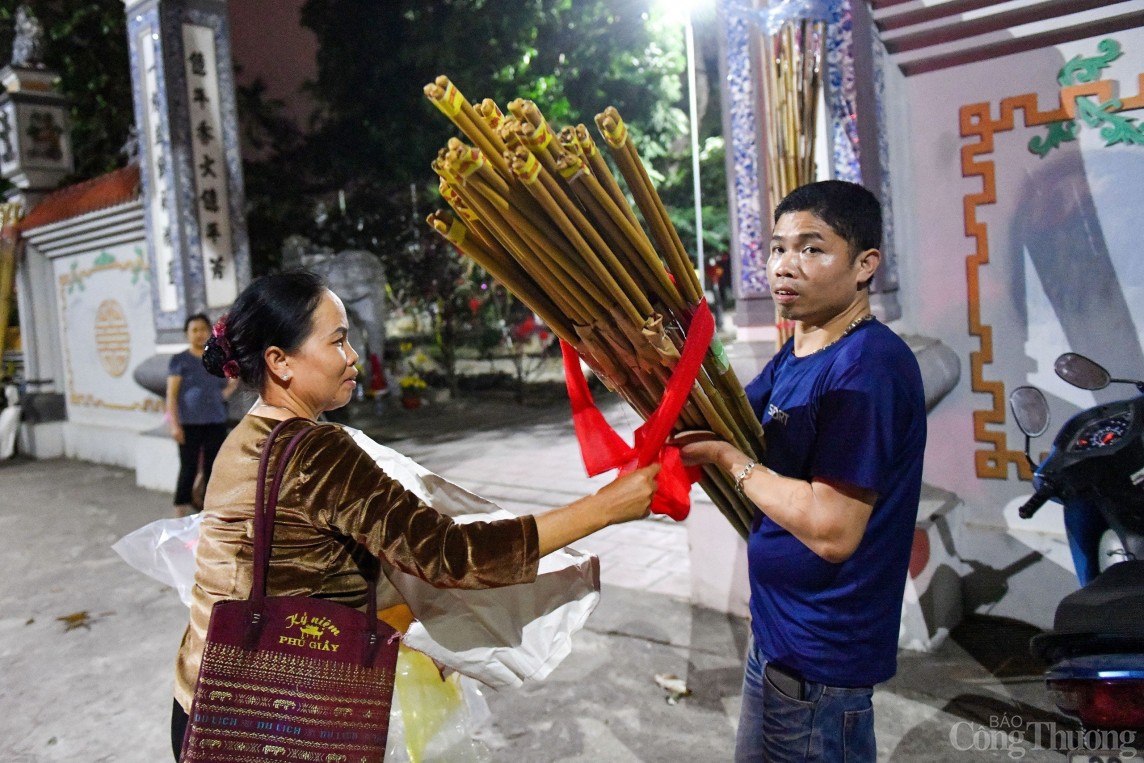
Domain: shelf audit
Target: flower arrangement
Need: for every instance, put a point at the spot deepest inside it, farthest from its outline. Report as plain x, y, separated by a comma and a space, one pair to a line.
412, 383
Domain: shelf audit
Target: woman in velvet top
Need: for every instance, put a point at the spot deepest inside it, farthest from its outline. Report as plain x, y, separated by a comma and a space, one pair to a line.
286, 336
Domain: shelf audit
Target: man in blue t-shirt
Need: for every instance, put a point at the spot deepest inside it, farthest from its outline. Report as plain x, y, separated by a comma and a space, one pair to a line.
843, 414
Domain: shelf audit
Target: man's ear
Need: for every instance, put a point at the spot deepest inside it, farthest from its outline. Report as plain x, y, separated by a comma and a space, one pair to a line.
868, 262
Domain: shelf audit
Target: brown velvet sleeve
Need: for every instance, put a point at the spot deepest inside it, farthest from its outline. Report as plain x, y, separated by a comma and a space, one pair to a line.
350, 495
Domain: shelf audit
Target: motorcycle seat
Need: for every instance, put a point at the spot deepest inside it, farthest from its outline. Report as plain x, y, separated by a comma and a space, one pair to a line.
1112, 604
1104, 617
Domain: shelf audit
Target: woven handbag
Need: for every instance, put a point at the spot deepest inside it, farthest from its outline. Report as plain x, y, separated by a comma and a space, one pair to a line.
290, 677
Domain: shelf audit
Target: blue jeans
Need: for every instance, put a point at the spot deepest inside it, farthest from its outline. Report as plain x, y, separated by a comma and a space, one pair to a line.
832, 724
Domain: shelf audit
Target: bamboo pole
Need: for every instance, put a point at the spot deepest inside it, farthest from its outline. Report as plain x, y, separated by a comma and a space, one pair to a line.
603, 173
553, 266
791, 85
631, 167
536, 134
542, 266
452, 104
503, 268
9, 240
585, 236
630, 240
651, 277
529, 172
718, 488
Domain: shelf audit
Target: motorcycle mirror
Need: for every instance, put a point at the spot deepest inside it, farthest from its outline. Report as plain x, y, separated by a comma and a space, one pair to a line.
1081, 372
1030, 410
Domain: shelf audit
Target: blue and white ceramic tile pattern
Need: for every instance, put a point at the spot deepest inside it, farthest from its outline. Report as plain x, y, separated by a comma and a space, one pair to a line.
740, 21
143, 28
842, 93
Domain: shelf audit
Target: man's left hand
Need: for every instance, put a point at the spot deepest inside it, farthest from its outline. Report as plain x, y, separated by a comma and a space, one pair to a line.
700, 446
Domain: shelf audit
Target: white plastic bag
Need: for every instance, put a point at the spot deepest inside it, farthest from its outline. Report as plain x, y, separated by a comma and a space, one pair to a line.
165, 550
9, 421
433, 718
500, 636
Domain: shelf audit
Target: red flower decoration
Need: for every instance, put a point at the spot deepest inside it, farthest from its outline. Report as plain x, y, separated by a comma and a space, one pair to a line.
230, 369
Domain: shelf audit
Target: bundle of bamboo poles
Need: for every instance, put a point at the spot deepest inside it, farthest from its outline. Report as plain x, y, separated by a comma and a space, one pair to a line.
791, 82
541, 211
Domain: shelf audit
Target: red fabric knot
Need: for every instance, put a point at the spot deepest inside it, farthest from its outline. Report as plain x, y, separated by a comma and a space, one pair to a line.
602, 449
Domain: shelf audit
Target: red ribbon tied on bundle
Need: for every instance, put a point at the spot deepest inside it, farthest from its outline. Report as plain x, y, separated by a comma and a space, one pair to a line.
602, 449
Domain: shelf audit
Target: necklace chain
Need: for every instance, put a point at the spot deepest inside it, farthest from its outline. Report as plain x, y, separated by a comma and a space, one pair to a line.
853, 324
279, 407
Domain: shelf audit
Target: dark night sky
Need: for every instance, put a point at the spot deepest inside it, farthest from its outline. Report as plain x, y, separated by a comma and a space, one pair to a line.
269, 43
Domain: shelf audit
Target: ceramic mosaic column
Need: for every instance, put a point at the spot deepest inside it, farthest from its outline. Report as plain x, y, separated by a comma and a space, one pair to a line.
858, 150
750, 227
186, 116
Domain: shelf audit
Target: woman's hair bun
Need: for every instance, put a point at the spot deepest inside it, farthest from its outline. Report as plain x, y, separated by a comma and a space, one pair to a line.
214, 358
218, 358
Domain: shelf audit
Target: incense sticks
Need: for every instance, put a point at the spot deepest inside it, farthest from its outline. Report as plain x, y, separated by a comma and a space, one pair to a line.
541, 211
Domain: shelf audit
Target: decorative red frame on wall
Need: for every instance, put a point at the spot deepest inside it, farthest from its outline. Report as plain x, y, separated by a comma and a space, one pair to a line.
977, 122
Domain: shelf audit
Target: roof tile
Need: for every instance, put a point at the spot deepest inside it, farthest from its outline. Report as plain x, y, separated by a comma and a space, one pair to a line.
112, 189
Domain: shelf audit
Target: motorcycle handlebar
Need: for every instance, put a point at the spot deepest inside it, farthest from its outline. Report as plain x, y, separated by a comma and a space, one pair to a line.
1029, 508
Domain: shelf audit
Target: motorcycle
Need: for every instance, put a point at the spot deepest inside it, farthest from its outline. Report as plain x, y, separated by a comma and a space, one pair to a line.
1095, 469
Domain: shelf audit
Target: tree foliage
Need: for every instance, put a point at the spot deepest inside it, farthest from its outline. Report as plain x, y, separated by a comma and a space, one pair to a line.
86, 42
573, 58
374, 133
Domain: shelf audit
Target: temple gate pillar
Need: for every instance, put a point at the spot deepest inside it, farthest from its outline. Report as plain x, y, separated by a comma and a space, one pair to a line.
191, 171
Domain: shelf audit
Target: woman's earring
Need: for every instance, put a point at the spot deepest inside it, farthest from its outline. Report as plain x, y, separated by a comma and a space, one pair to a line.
285, 377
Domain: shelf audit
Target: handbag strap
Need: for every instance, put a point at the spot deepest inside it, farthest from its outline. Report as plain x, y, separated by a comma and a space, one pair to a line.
265, 510
265, 507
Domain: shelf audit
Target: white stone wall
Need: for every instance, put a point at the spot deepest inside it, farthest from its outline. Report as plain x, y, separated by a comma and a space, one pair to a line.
1039, 229
104, 298
99, 285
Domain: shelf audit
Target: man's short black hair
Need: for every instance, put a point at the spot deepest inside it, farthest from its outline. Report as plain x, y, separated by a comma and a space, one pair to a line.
850, 210
196, 317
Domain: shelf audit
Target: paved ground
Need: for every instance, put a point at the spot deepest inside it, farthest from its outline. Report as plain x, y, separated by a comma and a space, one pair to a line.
86, 643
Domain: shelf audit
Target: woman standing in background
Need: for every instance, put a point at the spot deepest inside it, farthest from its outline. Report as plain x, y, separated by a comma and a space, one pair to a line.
196, 411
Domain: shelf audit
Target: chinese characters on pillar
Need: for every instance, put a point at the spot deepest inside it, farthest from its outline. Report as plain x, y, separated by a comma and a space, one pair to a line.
211, 185
155, 135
